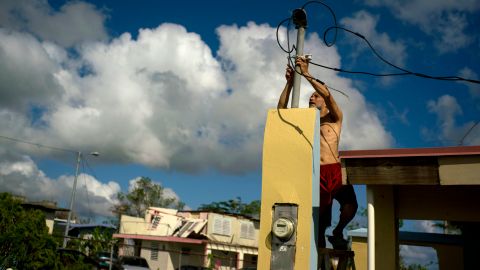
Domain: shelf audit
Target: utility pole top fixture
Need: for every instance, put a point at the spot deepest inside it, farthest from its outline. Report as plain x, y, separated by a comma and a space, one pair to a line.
299, 17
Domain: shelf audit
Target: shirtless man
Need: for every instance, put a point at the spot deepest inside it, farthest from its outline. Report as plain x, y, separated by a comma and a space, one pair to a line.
330, 169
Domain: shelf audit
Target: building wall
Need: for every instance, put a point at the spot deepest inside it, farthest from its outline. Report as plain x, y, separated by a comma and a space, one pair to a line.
50, 223
147, 225
359, 247
232, 240
168, 256
232, 230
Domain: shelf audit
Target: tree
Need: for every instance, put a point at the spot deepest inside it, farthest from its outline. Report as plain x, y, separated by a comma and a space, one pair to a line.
233, 206
99, 240
24, 239
145, 194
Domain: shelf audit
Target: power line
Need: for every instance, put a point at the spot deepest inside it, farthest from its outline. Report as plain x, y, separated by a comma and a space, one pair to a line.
404, 72
38, 144
468, 132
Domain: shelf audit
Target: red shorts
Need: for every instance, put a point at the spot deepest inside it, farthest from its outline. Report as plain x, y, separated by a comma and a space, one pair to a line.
330, 181
331, 188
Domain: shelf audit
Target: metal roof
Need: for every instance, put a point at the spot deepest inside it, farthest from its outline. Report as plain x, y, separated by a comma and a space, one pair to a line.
412, 152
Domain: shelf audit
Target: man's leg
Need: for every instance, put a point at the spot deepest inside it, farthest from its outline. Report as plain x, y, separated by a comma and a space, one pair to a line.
347, 213
348, 208
321, 237
325, 217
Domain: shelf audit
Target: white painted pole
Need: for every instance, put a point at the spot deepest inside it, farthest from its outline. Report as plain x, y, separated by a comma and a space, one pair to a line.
72, 199
371, 229
297, 78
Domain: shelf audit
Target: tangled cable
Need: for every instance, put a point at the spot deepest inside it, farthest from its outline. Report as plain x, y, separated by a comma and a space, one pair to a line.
404, 72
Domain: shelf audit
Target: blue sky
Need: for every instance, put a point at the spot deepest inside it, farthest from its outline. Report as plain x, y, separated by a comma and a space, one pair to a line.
178, 90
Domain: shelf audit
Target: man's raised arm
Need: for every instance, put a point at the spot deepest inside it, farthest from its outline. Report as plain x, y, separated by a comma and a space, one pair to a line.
285, 96
322, 90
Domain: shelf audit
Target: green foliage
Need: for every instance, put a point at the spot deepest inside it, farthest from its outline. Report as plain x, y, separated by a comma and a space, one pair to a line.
24, 239
234, 206
100, 240
449, 227
145, 194
414, 266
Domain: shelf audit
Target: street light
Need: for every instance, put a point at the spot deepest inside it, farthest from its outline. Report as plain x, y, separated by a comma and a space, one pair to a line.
72, 197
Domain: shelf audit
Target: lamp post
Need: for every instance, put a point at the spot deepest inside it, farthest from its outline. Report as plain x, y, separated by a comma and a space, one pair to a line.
72, 197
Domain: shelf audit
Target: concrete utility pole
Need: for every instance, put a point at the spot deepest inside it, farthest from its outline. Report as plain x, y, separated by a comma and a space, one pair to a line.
72, 197
300, 20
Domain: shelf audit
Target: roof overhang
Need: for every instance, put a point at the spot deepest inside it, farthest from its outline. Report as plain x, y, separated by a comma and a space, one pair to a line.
415, 166
159, 238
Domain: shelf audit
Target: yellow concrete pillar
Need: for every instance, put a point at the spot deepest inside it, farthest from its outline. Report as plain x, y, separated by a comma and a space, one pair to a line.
382, 228
291, 164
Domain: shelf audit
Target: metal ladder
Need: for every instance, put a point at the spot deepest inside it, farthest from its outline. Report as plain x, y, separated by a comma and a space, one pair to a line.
345, 259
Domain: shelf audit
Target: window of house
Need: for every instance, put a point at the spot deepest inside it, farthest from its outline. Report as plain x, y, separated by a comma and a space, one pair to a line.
247, 230
222, 226
154, 251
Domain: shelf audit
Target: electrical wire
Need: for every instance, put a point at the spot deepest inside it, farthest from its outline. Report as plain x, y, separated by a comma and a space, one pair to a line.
468, 132
333, 16
404, 72
317, 80
38, 144
278, 39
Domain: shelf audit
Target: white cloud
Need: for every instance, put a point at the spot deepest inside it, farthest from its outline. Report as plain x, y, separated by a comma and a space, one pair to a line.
255, 75
446, 108
473, 88
27, 72
428, 226
426, 256
445, 20
163, 99
365, 24
74, 23
19, 175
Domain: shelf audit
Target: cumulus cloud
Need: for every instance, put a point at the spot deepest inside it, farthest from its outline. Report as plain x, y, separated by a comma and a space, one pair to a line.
449, 132
73, 23
165, 101
19, 175
27, 72
256, 71
428, 226
365, 23
446, 21
418, 255
474, 89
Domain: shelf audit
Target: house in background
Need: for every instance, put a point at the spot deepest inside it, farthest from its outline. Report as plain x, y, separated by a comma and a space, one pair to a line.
448, 247
49, 208
169, 239
86, 230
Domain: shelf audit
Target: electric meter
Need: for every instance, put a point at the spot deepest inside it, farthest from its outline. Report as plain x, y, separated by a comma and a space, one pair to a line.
283, 228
